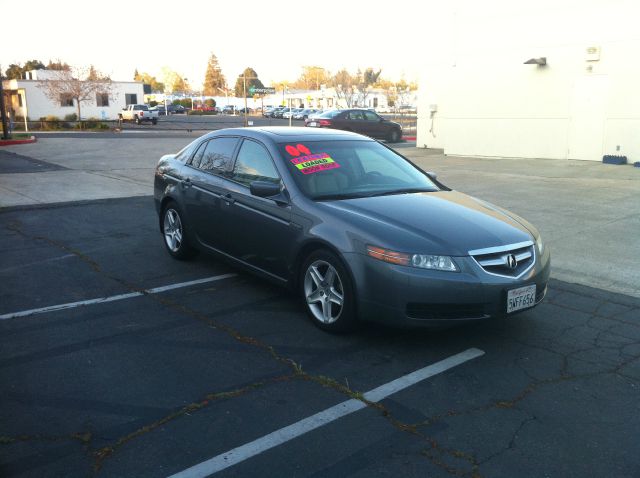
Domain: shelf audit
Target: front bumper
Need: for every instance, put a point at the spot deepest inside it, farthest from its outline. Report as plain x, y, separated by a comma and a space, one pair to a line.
408, 296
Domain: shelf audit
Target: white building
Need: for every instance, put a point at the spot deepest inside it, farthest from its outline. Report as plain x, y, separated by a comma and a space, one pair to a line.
27, 99
554, 79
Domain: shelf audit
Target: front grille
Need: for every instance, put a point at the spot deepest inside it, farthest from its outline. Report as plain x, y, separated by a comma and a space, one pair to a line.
510, 261
418, 310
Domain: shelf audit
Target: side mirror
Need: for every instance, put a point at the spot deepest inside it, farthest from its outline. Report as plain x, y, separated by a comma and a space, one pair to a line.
264, 189
432, 174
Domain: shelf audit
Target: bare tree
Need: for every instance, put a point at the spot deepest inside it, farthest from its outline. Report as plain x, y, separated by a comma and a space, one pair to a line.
345, 86
67, 85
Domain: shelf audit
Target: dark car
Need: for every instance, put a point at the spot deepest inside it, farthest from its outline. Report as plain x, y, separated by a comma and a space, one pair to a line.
229, 110
172, 109
361, 121
357, 229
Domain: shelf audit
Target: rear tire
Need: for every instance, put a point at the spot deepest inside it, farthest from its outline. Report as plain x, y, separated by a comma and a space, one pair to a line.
175, 233
327, 292
154, 121
137, 120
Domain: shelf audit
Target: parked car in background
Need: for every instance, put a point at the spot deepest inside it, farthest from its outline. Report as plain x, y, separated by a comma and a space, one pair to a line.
242, 110
171, 109
138, 114
303, 114
277, 113
359, 231
358, 120
229, 110
267, 110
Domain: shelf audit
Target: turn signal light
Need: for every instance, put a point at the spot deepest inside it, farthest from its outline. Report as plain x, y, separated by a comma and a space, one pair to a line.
388, 256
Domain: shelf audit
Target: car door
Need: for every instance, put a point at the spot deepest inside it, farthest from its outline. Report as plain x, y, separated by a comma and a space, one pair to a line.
258, 230
355, 122
204, 189
375, 125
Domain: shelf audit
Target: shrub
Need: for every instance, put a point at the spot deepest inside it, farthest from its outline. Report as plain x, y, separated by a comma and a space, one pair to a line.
71, 117
153, 103
50, 122
211, 103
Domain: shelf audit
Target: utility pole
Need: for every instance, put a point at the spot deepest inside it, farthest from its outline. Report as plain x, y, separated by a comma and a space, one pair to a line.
244, 84
3, 112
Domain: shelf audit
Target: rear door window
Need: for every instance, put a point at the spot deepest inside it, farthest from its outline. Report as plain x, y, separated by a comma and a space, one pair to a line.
217, 155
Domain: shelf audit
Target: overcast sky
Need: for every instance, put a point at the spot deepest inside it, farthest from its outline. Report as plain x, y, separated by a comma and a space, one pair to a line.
276, 38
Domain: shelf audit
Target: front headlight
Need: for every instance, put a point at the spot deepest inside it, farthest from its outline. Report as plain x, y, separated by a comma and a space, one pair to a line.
539, 244
421, 261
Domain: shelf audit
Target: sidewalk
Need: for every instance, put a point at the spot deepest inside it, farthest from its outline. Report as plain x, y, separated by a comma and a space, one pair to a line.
587, 212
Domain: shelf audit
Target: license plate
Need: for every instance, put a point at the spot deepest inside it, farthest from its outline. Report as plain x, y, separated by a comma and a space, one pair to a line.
521, 298
313, 123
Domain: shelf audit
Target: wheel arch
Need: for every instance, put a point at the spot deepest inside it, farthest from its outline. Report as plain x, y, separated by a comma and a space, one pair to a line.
309, 248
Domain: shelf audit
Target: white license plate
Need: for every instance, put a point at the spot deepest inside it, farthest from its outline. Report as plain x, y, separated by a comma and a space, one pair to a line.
521, 298
313, 123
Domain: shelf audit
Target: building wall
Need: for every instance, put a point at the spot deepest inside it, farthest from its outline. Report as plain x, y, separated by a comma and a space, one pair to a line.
38, 105
578, 106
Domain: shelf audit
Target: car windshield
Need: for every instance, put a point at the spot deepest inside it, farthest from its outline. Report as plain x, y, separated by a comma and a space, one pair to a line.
351, 169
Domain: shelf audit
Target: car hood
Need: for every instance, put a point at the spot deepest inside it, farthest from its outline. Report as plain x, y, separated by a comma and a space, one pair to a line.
442, 222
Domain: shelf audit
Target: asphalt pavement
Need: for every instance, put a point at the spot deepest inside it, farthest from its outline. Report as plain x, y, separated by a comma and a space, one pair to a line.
116, 360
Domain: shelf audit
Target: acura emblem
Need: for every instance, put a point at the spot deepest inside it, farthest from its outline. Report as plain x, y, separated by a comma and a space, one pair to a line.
512, 262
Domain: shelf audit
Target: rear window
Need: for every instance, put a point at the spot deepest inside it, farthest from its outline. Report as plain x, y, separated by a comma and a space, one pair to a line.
348, 169
330, 114
141, 107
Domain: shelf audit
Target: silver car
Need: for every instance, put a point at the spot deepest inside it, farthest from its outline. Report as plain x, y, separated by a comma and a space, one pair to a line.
358, 230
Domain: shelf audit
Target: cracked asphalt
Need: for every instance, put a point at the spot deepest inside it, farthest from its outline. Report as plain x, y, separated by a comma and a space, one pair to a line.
154, 384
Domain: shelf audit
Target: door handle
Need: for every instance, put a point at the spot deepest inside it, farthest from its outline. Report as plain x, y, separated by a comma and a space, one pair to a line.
186, 183
228, 199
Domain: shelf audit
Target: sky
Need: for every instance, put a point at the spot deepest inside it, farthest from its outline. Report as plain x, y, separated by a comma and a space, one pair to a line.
276, 38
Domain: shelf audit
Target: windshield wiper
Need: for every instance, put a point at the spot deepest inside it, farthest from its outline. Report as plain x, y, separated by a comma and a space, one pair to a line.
324, 197
401, 191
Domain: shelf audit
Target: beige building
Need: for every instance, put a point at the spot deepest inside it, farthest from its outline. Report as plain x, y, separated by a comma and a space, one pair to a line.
551, 80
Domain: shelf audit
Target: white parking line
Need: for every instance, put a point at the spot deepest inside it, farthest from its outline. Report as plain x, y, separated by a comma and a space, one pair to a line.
102, 300
283, 435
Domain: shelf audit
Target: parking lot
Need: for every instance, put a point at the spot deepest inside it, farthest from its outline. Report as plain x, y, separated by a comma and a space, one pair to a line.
118, 361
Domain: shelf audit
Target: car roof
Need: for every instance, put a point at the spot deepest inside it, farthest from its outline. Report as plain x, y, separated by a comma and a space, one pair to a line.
285, 134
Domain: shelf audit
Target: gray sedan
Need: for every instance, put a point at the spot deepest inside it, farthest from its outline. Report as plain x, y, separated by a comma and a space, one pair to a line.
357, 229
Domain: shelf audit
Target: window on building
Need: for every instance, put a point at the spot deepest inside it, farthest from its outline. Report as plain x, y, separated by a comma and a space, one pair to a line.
66, 100
131, 98
102, 99
19, 100
375, 102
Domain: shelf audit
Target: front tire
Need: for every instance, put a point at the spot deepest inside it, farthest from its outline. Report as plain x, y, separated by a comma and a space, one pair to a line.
327, 292
394, 136
174, 232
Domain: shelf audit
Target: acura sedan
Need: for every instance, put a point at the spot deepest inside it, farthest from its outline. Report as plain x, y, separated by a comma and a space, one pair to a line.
360, 232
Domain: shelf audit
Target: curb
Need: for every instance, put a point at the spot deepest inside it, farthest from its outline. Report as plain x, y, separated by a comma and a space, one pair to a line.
9, 142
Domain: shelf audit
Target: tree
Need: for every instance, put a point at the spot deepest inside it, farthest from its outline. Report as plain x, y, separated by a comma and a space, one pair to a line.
344, 84
15, 71
58, 65
173, 82
312, 77
69, 85
251, 80
214, 80
147, 79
